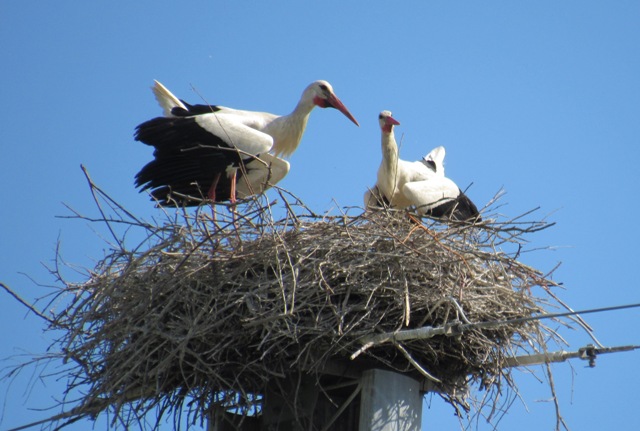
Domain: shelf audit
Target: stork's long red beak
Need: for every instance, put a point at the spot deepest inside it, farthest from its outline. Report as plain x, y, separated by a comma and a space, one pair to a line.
334, 102
392, 121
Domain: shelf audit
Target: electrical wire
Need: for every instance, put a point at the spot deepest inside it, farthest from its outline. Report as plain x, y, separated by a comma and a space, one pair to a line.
546, 316
450, 329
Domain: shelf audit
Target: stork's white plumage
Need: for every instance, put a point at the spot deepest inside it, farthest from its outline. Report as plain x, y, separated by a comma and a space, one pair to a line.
258, 174
200, 149
422, 184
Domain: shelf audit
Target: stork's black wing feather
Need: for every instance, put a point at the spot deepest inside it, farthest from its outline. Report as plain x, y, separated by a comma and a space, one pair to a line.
194, 110
187, 159
460, 208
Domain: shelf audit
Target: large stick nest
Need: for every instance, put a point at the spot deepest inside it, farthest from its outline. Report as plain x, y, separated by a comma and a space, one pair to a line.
211, 303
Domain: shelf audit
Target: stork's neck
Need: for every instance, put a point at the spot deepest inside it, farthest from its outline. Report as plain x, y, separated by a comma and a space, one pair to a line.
287, 130
389, 152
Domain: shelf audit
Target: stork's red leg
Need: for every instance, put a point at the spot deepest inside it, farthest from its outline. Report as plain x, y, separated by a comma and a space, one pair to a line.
232, 195
211, 194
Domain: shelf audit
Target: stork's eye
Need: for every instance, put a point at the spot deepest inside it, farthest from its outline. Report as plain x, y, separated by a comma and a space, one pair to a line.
323, 87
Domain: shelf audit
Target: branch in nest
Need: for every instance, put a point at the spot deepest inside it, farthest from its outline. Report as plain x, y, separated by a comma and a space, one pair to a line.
225, 303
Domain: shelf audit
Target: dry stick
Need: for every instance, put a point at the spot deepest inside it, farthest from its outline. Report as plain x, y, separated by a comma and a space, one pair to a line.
407, 304
97, 202
202, 242
554, 395
94, 187
26, 304
435, 238
417, 366
581, 322
544, 283
342, 408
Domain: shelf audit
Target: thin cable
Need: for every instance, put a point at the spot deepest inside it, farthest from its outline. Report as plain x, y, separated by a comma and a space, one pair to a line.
458, 328
547, 316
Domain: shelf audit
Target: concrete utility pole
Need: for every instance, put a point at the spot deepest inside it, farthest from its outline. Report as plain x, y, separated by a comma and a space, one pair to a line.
389, 402
371, 400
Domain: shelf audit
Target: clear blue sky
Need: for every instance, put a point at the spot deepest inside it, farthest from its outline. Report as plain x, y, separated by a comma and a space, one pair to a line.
539, 98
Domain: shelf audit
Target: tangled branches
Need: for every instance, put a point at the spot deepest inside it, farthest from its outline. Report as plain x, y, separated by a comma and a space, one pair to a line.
212, 306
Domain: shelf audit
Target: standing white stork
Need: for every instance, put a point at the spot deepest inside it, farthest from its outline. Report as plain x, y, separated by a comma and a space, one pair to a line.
201, 149
422, 184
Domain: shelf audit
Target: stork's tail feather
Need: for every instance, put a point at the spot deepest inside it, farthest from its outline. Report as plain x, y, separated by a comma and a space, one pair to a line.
166, 99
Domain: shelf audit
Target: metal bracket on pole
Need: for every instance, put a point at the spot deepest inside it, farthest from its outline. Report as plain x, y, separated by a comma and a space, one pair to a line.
588, 353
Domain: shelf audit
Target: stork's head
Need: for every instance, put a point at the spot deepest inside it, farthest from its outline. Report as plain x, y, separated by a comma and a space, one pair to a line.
322, 95
387, 122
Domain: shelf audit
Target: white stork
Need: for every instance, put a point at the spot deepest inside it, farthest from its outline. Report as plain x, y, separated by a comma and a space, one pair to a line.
196, 144
422, 184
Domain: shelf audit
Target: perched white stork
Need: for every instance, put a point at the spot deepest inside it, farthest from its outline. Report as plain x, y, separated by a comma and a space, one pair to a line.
201, 149
421, 184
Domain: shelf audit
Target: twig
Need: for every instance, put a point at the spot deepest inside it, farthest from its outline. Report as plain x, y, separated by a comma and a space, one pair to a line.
25, 303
